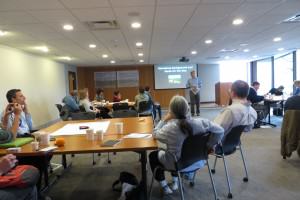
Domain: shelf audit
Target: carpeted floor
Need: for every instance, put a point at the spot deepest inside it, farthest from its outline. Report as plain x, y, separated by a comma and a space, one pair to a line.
270, 177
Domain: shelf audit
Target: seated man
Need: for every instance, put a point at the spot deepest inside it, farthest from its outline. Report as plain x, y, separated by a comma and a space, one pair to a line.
239, 112
156, 105
261, 109
71, 101
142, 96
16, 97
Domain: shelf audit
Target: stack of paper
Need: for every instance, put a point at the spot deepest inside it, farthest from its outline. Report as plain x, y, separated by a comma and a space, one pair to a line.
138, 135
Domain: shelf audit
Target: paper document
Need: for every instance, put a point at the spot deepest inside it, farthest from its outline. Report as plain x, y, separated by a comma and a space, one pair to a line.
138, 135
73, 128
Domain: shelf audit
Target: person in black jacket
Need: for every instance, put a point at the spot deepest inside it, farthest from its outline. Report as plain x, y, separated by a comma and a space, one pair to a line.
252, 96
277, 91
293, 103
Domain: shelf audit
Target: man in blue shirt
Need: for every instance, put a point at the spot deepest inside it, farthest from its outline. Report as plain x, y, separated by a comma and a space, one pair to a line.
71, 101
16, 97
194, 84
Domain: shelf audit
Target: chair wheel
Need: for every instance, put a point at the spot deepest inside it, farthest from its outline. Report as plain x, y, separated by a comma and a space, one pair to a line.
109, 161
94, 163
245, 179
73, 155
99, 154
213, 171
192, 184
229, 196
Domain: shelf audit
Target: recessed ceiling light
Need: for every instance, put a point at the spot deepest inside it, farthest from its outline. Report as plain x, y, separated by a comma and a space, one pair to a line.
139, 44
92, 46
141, 61
112, 62
42, 48
280, 49
276, 39
65, 58
246, 50
243, 44
68, 27
2, 33
227, 57
237, 21
136, 25
104, 55
194, 52
140, 54
208, 41
255, 56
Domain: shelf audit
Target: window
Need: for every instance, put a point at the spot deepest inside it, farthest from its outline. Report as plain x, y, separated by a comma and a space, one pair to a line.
264, 75
231, 71
283, 72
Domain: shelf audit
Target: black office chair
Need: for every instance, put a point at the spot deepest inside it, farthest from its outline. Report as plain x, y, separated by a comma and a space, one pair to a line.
229, 145
145, 108
120, 106
194, 149
124, 113
59, 107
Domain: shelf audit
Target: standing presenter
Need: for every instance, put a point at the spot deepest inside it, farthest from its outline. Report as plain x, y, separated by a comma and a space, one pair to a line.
194, 85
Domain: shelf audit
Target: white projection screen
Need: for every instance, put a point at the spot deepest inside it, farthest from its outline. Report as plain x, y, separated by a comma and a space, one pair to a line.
172, 76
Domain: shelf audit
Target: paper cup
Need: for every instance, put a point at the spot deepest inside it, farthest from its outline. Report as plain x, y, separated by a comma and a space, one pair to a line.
35, 146
119, 127
44, 139
100, 135
90, 134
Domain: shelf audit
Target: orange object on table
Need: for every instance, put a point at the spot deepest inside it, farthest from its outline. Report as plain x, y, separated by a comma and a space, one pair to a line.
60, 142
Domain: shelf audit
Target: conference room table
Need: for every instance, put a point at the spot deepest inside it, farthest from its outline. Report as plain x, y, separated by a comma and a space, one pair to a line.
79, 144
271, 101
109, 105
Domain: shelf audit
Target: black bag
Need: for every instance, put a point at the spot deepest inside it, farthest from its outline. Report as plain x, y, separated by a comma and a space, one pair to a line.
136, 193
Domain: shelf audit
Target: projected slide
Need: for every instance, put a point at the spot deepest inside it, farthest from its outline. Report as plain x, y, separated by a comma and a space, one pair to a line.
172, 76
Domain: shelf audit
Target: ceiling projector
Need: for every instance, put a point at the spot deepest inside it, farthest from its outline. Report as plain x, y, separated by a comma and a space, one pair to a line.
184, 59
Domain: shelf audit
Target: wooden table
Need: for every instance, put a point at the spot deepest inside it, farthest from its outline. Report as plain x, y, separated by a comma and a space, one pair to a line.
77, 144
110, 105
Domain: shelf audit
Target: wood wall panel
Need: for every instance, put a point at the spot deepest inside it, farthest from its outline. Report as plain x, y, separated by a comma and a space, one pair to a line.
146, 78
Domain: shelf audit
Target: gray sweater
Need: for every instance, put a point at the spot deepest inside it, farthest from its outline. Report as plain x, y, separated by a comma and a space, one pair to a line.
5, 136
170, 134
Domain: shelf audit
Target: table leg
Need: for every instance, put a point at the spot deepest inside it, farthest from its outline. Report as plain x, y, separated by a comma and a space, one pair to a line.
144, 172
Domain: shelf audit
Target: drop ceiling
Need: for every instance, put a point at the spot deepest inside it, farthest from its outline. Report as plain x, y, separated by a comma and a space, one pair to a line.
170, 29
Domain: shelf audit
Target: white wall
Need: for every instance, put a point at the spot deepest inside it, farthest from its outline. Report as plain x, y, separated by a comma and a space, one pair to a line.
209, 74
42, 81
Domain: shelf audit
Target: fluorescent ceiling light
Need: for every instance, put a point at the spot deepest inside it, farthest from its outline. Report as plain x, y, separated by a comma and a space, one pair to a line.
227, 57
65, 58
140, 54
141, 61
2, 33
243, 44
255, 56
208, 41
280, 49
136, 25
68, 27
139, 44
104, 55
246, 50
92, 46
276, 39
112, 62
42, 48
237, 21
194, 52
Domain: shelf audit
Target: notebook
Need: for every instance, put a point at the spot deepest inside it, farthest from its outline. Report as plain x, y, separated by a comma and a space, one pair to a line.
18, 142
110, 143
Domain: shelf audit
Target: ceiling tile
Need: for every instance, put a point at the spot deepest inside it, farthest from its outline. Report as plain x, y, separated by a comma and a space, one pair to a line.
94, 14
6, 5
86, 4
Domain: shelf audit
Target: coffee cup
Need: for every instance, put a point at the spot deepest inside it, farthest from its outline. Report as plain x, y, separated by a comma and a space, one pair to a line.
119, 127
44, 139
34, 146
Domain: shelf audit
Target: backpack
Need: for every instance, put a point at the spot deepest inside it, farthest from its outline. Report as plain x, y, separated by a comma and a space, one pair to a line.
130, 189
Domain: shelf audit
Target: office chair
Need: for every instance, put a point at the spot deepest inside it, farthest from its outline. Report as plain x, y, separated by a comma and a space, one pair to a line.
145, 109
124, 113
120, 106
194, 149
59, 107
229, 145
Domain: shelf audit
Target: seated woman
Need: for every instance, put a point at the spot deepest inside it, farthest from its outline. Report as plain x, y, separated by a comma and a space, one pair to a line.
176, 126
117, 96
